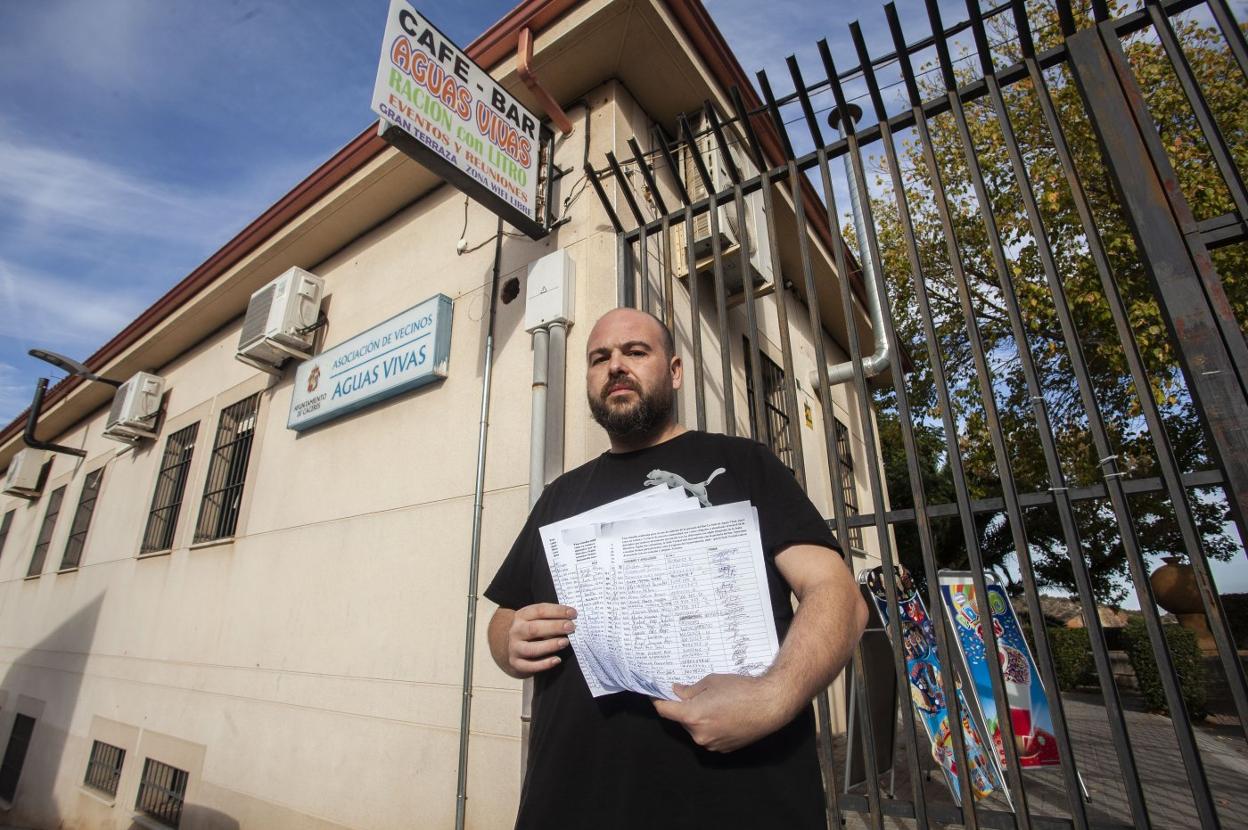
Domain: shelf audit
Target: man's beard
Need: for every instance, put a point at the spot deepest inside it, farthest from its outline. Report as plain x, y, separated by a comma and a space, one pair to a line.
640, 418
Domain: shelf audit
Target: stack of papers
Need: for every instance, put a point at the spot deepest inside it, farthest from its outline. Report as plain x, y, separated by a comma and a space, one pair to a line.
665, 591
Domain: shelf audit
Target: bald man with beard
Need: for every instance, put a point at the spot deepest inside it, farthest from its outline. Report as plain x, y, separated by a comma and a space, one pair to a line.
732, 751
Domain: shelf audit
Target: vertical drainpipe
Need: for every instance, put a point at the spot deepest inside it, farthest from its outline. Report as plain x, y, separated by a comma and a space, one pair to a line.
545, 456
474, 559
537, 482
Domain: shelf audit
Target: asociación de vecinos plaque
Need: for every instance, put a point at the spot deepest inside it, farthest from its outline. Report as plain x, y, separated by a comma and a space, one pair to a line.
408, 351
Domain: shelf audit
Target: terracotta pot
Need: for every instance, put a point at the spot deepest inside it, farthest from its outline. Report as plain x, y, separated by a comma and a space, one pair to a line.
1174, 586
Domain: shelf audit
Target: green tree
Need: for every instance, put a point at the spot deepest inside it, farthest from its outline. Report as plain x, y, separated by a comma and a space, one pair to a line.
1223, 85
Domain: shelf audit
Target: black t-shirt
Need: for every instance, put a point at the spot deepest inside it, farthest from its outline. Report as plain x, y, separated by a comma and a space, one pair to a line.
612, 762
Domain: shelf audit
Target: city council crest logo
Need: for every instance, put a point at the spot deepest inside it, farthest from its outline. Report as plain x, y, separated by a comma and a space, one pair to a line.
314, 377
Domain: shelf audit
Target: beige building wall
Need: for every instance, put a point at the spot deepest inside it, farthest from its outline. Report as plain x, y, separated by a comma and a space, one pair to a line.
307, 671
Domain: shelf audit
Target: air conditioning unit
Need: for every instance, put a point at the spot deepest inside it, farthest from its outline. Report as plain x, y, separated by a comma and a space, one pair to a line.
24, 473
136, 409
731, 235
280, 320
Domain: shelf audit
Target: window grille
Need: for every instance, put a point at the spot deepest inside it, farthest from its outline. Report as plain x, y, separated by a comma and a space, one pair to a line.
82, 519
5, 524
45, 531
15, 756
776, 435
223, 492
849, 487
161, 792
104, 767
175, 465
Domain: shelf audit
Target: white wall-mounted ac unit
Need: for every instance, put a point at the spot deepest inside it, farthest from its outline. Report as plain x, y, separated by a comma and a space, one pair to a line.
24, 472
280, 320
731, 235
136, 409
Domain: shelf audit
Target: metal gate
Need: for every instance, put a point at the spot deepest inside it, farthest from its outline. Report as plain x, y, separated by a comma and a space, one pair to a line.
1053, 212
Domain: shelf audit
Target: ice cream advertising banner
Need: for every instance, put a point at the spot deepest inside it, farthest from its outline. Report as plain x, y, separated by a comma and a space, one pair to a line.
923, 672
1029, 705
456, 120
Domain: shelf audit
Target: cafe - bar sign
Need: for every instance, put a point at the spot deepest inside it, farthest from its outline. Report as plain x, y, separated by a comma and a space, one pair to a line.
407, 351
446, 112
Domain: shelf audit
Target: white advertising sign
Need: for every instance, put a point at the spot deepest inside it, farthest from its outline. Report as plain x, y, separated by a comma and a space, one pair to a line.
465, 126
409, 350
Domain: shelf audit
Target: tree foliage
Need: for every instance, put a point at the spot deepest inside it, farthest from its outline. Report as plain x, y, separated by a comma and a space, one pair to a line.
1107, 368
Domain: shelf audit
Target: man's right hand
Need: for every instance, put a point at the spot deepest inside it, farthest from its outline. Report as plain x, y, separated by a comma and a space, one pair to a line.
524, 642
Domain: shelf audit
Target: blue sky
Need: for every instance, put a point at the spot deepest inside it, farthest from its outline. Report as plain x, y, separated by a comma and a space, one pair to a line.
138, 136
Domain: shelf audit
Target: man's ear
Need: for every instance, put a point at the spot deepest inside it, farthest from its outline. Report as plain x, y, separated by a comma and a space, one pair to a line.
678, 371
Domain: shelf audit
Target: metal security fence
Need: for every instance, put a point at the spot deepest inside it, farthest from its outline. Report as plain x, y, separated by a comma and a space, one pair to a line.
104, 767
162, 792
1052, 215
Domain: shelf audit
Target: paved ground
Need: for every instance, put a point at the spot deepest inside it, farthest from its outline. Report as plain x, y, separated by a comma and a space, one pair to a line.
1223, 749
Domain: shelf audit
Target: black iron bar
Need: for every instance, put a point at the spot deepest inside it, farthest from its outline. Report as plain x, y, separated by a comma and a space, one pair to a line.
1231, 31
625, 296
1114, 483
695, 323
627, 189
866, 418
777, 120
644, 277
1200, 108
1066, 16
969, 816
1229, 328
691, 141
730, 164
1093, 492
793, 426
721, 299
743, 118
1161, 247
755, 367
867, 732
969, 531
647, 175
603, 200
678, 182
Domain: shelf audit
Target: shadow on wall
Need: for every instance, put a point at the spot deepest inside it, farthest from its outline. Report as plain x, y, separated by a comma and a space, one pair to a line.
44, 683
195, 817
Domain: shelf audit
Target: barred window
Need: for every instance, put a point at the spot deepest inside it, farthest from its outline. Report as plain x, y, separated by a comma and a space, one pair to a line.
45, 531
5, 524
104, 767
162, 520
849, 487
161, 792
82, 520
776, 434
223, 492
15, 756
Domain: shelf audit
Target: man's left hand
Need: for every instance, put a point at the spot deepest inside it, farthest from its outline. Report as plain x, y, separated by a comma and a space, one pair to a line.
724, 712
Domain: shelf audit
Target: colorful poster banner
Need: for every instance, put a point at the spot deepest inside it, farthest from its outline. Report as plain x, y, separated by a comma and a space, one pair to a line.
923, 672
1028, 702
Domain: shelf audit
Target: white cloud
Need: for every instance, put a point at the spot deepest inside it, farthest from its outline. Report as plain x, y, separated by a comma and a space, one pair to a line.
14, 393
41, 309
49, 192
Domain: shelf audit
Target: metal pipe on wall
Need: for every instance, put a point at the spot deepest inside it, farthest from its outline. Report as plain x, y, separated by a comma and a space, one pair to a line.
474, 559
878, 360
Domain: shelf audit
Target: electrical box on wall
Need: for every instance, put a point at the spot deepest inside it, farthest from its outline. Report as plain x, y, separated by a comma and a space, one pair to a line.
24, 472
550, 293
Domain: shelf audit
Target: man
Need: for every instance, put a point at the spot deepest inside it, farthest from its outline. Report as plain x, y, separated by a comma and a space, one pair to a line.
732, 751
